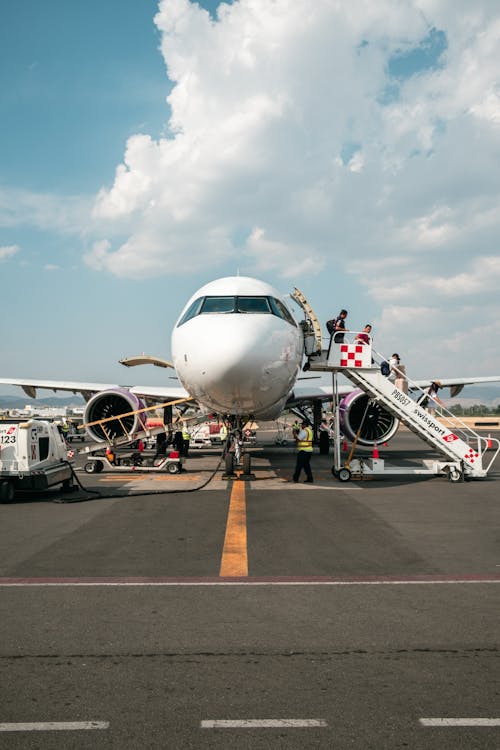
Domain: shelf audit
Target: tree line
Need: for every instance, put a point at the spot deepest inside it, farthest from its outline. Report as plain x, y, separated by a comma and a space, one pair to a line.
477, 410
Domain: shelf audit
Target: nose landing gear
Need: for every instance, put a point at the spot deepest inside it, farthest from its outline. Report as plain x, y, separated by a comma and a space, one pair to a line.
236, 456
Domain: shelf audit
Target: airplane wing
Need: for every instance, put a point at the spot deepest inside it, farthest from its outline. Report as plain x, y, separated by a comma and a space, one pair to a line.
156, 393
456, 384
325, 392
165, 393
315, 393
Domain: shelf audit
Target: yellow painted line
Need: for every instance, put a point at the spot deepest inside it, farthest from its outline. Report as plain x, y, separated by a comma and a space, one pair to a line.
122, 478
176, 478
234, 555
136, 477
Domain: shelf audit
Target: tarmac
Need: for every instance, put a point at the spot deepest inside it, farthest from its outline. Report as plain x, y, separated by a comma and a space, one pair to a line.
253, 614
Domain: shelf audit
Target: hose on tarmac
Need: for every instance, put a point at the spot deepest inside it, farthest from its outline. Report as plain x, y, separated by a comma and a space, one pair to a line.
96, 494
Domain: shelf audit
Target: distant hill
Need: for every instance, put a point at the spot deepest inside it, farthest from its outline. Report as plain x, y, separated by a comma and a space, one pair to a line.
19, 402
489, 395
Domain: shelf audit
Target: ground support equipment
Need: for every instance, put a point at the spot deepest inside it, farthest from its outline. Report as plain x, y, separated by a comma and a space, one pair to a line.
463, 451
169, 464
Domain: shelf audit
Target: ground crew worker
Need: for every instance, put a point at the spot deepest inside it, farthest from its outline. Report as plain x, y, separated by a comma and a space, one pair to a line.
161, 444
186, 437
223, 433
65, 430
324, 437
177, 442
304, 440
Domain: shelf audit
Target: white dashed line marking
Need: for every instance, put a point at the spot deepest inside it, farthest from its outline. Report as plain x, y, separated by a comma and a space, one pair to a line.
471, 722
53, 726
261, 723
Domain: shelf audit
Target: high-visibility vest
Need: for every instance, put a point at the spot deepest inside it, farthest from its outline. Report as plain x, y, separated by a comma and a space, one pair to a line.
223, 432
186, 435
307, 444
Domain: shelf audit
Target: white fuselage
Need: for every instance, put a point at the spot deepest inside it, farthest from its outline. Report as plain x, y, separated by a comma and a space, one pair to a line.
238, 351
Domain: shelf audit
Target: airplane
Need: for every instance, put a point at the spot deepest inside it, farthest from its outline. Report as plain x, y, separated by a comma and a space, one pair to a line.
238, 352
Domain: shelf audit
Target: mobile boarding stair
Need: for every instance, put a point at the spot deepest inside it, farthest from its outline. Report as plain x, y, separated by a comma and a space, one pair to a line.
463, 450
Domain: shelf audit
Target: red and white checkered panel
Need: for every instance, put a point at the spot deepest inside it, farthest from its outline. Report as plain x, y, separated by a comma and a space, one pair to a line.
471, 456
353, 355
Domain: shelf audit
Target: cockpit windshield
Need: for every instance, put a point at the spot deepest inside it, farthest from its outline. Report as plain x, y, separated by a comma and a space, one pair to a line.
217, 305
253, 305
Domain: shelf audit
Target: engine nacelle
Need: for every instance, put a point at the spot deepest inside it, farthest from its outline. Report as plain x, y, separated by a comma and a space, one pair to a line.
113, 403
378, 424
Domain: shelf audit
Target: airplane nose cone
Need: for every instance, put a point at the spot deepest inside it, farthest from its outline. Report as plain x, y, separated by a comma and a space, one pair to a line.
239, 363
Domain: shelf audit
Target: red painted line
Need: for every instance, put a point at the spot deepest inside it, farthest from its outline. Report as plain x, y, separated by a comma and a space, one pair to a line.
249, 580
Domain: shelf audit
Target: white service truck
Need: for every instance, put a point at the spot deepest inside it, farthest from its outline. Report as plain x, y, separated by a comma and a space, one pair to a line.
33, 456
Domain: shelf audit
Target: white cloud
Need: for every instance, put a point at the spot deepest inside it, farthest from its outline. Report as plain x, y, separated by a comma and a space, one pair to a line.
286, 129
405, 283
45, 211
281, 124
7, 251
266, 99
291, 261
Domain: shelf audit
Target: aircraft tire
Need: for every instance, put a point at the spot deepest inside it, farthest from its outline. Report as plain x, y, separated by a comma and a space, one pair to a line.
229, 464
247, 463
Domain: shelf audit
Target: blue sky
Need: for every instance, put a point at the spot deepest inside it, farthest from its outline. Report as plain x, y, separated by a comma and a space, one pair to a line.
327, 148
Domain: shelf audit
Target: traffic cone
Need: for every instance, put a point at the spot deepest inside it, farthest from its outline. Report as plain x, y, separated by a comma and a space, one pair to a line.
375, 453
489, 444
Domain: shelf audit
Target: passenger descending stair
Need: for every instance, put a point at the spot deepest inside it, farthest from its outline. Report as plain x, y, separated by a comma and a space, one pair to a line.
465, 450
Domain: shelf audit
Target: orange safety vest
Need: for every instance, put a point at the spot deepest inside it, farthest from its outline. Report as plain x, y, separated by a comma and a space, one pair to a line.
307, 444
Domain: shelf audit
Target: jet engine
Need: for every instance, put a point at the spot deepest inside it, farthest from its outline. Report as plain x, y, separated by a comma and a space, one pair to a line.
378, 424
113, 403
